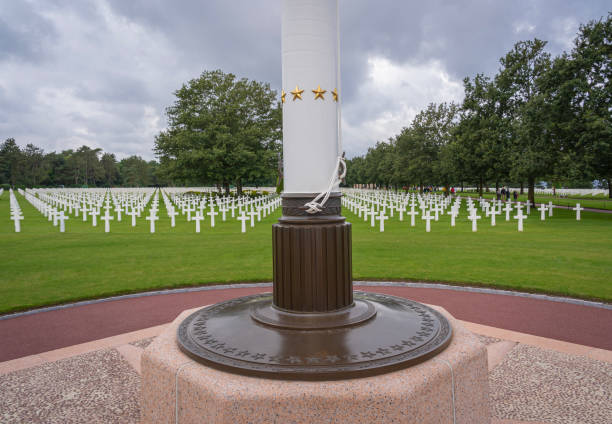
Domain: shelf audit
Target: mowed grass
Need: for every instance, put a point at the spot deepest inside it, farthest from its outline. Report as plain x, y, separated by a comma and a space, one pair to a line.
41, 266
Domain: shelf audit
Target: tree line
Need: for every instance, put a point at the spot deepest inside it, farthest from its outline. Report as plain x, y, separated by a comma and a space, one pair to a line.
84, 167
539, 118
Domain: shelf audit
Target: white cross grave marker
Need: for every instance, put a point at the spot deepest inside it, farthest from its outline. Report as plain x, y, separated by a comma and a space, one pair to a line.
61, 218
243, 218
520, 218
381, 217
17, 219
412, 214
212, 214
542, 210
152, 218
199, 216
577, 209
427, 217
474, 218
106, 218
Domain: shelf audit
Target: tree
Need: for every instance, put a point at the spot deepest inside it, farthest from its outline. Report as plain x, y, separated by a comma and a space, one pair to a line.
11, 162
522, 83
419, 146
220, 130
135, 172
587, 98
482, 144
35, 168
110, 169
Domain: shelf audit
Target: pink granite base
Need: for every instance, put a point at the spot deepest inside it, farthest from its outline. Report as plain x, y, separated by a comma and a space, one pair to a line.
419, 394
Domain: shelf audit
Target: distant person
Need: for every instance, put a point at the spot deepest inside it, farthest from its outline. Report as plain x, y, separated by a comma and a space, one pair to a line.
507, 194
503, 192
452, 191
515, 195
497, 195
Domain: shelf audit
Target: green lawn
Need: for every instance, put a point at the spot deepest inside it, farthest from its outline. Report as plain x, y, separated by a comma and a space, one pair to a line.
41, 266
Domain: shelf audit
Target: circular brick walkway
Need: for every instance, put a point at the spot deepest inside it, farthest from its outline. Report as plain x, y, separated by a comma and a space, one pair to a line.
47, 330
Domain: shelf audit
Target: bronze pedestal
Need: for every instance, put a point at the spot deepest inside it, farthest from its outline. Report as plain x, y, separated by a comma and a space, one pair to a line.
313, 326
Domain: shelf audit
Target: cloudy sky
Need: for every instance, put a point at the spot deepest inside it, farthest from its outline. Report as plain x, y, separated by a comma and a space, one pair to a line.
102, 72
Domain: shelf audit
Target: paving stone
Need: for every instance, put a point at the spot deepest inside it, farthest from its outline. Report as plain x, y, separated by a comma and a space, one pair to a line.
534, 384
96, 387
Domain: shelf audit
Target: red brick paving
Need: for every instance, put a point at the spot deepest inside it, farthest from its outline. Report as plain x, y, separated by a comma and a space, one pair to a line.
44, 331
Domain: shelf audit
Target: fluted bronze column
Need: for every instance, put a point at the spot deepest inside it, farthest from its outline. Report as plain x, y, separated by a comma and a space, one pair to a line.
312, 257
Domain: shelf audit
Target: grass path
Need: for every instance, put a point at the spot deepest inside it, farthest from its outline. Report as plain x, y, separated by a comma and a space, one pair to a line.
41, 266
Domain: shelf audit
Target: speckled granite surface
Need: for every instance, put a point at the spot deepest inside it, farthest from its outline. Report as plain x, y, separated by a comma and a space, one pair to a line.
531, 384
97, 387
421, 394
534, 384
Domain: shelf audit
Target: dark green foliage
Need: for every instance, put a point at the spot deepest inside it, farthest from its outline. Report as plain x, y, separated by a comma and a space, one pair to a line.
84, 167
221, 130
537, 119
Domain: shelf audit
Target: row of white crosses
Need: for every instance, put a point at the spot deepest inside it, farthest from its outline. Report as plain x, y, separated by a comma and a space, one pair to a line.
57, 217
373, 204
52, 203
243, 208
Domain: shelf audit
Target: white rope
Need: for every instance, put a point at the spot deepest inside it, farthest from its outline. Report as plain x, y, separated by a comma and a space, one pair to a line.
314, 206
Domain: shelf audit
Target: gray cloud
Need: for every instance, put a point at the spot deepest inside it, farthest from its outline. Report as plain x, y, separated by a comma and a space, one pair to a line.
102, 72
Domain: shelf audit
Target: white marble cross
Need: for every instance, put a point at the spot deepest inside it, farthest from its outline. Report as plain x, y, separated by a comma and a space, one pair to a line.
474, 218
542, 210
172, 213
199, 216
508, 209
550, 209
133, 214
520, 218
16, 217
61, 218
412, 214
401, 209
252, 214
372, 216
94, 216
243, 218
453, 214
577, 209
528, 203
381, 217
106, 218
212, 214
152, 218
118, 209
427, 217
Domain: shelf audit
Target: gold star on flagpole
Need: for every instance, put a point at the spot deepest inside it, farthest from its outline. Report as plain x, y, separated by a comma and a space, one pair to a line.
297, 93
319, 93
283, 94
335, 94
